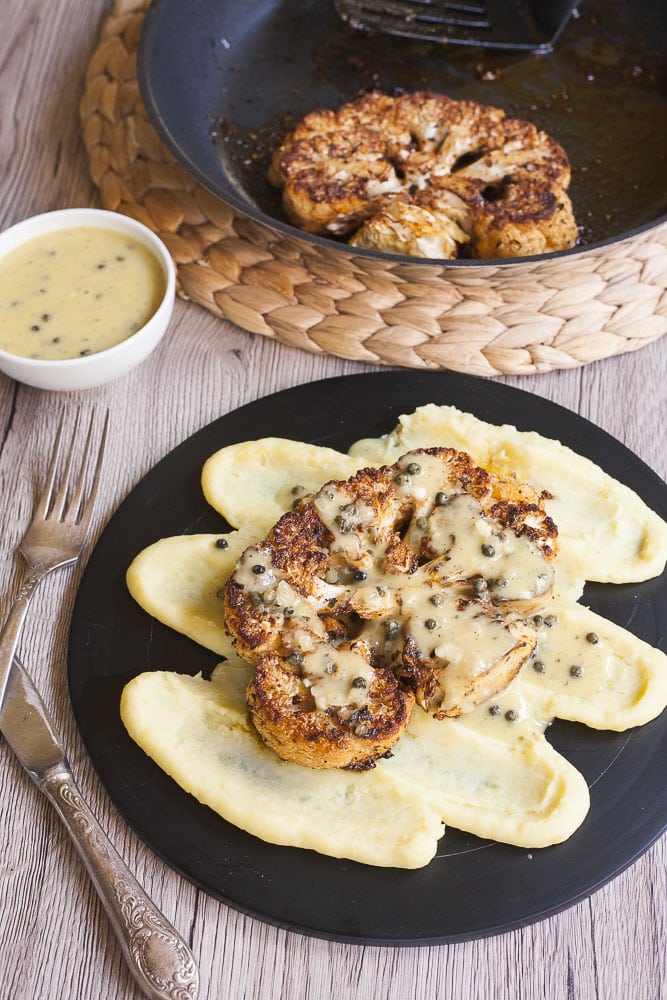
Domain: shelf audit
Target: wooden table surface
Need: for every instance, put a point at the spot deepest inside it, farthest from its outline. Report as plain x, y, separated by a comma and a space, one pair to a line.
56, 941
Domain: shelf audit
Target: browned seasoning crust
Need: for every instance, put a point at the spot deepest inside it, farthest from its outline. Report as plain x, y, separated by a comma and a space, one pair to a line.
284, 715
428, 176
324, 606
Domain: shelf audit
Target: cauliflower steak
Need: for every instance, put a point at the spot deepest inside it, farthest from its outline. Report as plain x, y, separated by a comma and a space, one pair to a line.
428, 176
410, 582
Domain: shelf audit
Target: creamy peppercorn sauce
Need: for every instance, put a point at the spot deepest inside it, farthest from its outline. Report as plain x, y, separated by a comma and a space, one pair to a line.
605, 532
75, 292
490, 771
422, 609
338, 677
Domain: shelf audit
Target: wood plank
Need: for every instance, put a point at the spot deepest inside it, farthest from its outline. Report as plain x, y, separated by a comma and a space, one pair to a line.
56, 939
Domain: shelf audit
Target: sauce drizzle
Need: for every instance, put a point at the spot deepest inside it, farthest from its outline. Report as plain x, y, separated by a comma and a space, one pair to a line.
74, 292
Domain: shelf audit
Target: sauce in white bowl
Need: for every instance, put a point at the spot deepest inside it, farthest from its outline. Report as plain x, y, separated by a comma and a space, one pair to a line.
85, 295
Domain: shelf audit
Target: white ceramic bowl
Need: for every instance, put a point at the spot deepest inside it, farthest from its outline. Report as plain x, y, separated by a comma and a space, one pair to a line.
103, 366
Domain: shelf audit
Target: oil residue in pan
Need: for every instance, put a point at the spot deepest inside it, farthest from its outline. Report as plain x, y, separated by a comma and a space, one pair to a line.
602, 93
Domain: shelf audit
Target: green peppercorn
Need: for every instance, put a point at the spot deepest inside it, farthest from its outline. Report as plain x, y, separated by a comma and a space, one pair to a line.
488, 550
221, 543
538, 666
441, 499
511, 715
537, 620
391, 628
437, 599
402, 480
359, 682
550, 621
258, 570
414, 469
296, 658
288, 612
297, 489
359, 574
593, 638
422, 523
479, 585
494, 710
576, 671
430, 624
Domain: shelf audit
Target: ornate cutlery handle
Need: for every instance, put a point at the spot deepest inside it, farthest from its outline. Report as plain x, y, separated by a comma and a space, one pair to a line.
158, 957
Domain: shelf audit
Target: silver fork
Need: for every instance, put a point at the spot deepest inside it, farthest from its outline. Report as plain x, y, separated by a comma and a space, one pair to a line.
158, 957
56, 534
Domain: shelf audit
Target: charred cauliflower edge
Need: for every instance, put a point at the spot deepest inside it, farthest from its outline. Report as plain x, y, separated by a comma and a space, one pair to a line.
349, 608
427, 176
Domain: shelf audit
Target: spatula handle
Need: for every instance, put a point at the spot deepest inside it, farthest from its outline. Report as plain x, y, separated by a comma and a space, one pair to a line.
158, 957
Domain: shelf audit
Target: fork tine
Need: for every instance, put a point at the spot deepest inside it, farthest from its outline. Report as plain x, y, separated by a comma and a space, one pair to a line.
72, 513
87, 509
45, 498
61, 495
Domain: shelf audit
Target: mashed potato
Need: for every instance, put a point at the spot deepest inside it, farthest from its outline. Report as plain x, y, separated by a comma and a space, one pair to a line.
492, 773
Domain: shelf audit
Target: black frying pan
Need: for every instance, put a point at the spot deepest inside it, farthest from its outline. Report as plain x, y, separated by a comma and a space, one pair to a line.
223, 79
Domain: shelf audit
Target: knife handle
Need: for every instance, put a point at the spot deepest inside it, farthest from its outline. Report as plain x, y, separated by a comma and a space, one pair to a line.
158, 957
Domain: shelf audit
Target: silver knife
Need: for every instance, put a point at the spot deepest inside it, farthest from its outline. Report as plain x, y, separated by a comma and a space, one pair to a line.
158, 957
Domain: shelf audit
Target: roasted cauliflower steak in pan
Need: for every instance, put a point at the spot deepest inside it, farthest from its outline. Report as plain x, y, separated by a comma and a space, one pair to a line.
427, 176
413, 581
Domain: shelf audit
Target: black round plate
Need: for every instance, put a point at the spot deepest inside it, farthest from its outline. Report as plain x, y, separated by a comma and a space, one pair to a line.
473, 887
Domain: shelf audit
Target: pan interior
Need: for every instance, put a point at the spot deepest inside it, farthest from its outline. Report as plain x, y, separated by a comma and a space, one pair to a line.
224, 80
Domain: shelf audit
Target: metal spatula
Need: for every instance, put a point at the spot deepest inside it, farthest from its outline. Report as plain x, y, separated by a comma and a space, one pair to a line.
500, 24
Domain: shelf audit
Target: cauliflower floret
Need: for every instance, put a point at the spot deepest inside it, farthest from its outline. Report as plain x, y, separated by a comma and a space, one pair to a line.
427, 176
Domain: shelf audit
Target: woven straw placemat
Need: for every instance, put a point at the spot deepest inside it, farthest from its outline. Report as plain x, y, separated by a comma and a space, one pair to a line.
531, 317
